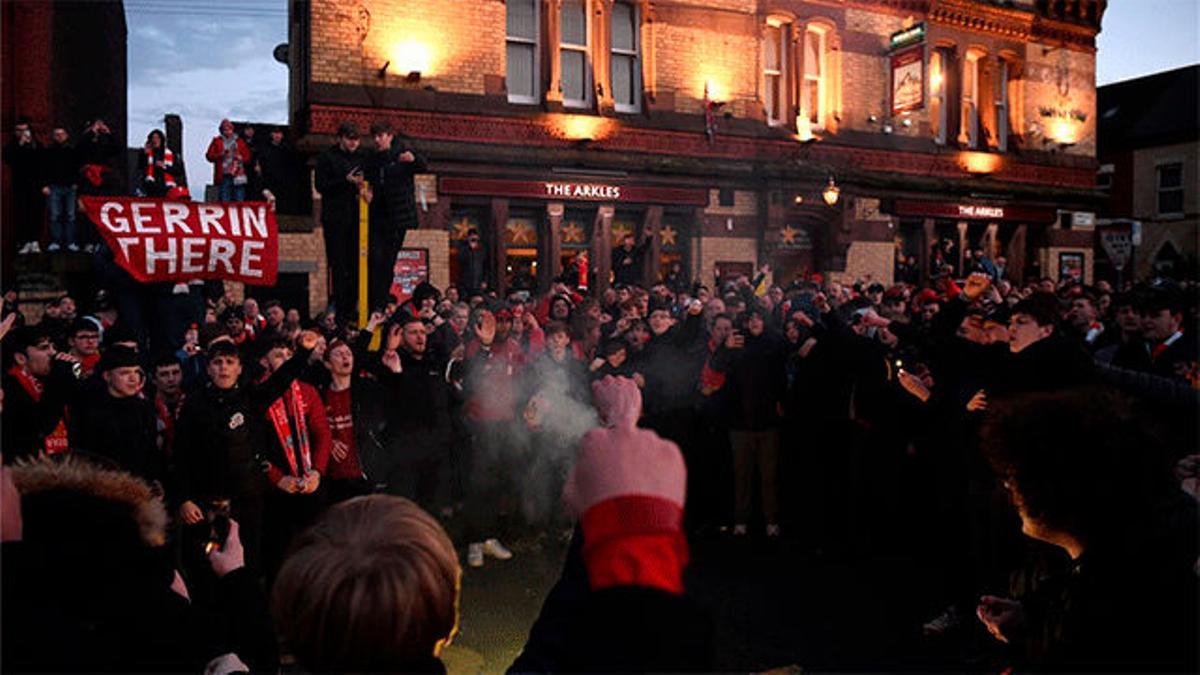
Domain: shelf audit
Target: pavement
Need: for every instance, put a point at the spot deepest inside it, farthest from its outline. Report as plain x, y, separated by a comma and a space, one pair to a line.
777, 606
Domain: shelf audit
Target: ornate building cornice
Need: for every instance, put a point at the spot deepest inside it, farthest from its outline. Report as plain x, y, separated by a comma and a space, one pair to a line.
1071, 23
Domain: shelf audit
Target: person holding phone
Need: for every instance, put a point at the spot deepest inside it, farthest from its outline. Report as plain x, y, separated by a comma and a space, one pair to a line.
116, 423
339, 179
23, 155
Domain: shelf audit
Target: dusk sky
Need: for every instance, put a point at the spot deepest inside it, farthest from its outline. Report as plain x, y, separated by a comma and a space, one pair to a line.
183, 60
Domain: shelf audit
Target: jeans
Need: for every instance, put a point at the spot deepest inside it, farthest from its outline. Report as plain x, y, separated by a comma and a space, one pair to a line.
62, 214
755, 452
229, 191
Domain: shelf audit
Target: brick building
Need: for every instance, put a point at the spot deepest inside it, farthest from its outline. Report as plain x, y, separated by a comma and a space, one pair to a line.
62, 63
1149, 152
817, 136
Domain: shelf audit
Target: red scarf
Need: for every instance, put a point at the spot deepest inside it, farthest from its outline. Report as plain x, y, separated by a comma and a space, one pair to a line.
282, 412
56, 441
1163, 346
167, 417
168, 158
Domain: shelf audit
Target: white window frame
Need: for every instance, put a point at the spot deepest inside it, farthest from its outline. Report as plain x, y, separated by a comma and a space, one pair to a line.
586, 50
537, 55
822, 79
635, 55
1159, 189
1002, 104
970, 97
781, 74
938, 93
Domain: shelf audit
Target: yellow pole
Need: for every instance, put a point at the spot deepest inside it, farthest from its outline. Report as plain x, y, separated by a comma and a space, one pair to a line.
364, 227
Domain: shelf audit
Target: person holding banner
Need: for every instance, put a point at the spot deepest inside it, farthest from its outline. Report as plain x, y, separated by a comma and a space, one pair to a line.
339, 176
393, 213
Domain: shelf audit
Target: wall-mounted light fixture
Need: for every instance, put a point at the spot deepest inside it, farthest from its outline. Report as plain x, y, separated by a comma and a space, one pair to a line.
804, 132
382, 72
979, 163
831, 192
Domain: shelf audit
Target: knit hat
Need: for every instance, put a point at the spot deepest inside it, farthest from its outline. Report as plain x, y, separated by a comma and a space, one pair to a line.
118, 356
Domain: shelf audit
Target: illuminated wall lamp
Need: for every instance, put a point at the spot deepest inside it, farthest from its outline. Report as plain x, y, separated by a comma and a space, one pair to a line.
980, 163
831, 192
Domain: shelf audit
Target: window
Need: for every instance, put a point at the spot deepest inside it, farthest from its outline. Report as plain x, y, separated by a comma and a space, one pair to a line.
1170, 189
1002, 120
774, 72
970, 101
812, 95
626, 69
1104, 177
573, 54
522, 51
939, 111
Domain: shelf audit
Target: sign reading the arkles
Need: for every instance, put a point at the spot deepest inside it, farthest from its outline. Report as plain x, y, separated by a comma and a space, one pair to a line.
908, 80
574, 191
156, 240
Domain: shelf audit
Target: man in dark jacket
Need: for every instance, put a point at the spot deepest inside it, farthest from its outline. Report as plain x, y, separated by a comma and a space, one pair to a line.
274, 165
118, 423
23, 156
755, 385
38, 383
98, 149
472, 265
390, 172
339, 176
60, 178
420, 428
629, 259
219, 442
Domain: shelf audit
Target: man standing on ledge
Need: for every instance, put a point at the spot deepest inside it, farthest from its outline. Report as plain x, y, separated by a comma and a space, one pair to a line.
339, 177
390, 172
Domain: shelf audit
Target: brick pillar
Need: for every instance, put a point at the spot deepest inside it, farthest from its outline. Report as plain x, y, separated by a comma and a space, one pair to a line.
929, 235
601, 254
962, 247
550, 251
552, 10
652, 221
495, 244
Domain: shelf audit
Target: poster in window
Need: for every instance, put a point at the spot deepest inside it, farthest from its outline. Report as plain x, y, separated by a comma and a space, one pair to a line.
411, 268
1070, 267
908, 80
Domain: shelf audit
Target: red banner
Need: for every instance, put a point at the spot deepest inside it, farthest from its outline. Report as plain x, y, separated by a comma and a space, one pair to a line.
159, 240
410, 269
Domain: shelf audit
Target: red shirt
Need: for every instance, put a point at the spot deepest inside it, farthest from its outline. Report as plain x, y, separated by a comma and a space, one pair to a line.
341, 427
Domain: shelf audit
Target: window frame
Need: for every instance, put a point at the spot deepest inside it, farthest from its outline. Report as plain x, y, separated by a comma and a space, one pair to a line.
970, 120
782, 25
938, 92
635, 56
822, 77
1159, 190
537, 56
585, 49
1003, 126
1107, 171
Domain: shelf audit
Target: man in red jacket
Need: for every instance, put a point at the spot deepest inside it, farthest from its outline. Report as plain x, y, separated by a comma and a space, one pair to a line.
229, 156
295, 461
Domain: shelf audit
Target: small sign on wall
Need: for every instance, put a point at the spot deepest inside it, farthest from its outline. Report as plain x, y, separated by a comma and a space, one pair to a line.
908, 80
411, 268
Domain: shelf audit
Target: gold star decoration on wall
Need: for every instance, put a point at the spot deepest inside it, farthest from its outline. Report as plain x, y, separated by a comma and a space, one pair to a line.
788, 235
459, 228
619, 230
520, 232
572, 233
669, 236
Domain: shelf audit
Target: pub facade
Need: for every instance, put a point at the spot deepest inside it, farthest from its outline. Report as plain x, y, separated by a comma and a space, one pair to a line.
821, 136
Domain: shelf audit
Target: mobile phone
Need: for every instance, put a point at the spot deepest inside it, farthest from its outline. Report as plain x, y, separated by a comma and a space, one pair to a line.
218, 527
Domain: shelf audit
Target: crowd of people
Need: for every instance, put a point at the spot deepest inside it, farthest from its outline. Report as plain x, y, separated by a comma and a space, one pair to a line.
171, 483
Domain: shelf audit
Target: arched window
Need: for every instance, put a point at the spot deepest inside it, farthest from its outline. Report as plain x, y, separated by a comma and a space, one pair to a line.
939, 111
814, 86
775, 70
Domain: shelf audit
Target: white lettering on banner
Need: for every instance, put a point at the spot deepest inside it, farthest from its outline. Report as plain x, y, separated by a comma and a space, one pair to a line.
193, 250
153, 256
583, 191
972, 211
221, 251
250, 266
106, 218
235, 225
255, 219
141, 220
210, 219
175, 218
125, 243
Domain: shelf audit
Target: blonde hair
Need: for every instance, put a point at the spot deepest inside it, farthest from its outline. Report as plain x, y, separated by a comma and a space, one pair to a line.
373, 586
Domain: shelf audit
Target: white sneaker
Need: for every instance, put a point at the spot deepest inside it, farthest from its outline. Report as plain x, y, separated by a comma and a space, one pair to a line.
475, 555
772, 530
51, 248
494, 548
24, 250
739, 530
90, 248
73, 248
